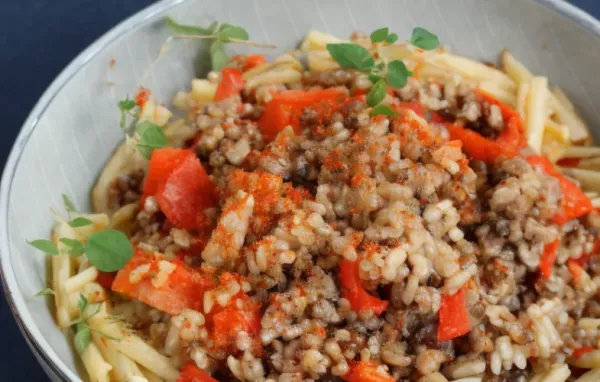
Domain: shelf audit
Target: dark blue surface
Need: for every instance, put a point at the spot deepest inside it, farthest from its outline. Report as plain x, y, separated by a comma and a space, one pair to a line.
38, 38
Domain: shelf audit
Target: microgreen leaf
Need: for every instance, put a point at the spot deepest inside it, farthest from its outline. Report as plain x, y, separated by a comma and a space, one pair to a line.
424, 39
46, 246
397, 74
218, 59
213, 27
379, 35
69, 205
228, 32
83, 303
351, 56
391, 38
377, 93
382, 110
45, 292
108, 250
151, 137
189, 29
82, 337
75, 246
80, 222
374, 78
125, 106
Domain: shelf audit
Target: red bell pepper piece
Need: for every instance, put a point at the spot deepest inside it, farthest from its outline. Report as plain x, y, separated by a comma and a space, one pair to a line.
568, 162
232, 83
162, 163
106, 279
506, 144
252, 61
241, 314
286, 107
548, 258
575, 269
192, 373
366, 371
453, 316
183, 289
578, 352
185, 195
353, 290
142, 97
574, 203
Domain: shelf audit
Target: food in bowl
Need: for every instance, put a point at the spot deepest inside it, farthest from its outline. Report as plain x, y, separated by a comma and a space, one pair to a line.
361, 210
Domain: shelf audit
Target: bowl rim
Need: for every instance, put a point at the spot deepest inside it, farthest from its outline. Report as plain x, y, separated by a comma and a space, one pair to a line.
16, 301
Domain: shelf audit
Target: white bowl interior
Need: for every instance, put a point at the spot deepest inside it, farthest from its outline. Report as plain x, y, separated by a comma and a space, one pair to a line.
75, 127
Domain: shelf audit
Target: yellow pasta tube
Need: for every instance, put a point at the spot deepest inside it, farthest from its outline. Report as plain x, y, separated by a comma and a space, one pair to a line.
95, 365
133, 346
535, 112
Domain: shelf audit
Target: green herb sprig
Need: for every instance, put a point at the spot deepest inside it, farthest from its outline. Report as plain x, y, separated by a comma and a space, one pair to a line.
221, 34
147, 135
83, 332
380, 72
107, 250
127, 107
44, 292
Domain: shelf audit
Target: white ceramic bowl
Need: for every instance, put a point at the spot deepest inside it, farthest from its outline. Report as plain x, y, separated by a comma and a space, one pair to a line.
73, 129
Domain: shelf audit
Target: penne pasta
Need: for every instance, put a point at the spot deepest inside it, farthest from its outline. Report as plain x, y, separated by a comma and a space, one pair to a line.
282, 74
476, 70
520, 74
582, 152
590, 360
535, 112
133, 346
95, 365
62, 269
588, 179
150, 376
504, 95
591, 376
77, 282
123, 368
317, 40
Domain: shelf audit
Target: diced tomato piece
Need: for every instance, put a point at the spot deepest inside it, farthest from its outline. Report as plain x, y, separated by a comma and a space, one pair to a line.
142, 97
232, 83
241, 314
353, 290
507, 144
568, 162
183, 289
364, 371
162, 163
106, 279
192, 373
548, 258
453, 316
253, 60
185, 195
578, 352
286, 107
575, 269
574, 203
196, 140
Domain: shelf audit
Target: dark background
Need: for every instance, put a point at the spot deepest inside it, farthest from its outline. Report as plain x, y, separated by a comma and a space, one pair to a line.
38, 38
